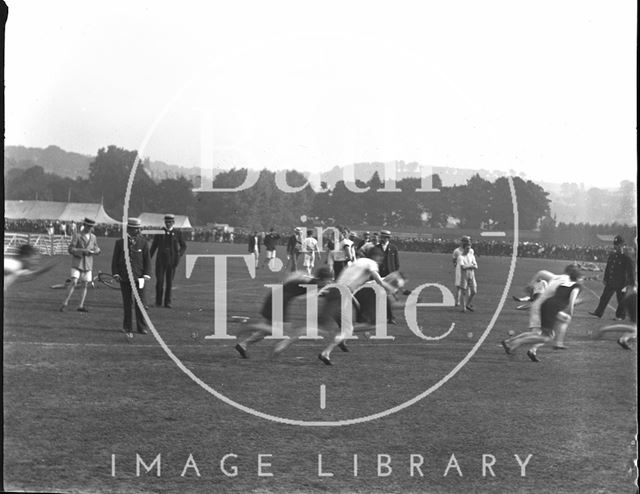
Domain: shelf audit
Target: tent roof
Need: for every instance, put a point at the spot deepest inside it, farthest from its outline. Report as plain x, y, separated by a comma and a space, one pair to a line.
56, 211
157, 220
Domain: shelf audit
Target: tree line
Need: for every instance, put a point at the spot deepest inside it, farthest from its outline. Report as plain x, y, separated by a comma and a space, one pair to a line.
477, 204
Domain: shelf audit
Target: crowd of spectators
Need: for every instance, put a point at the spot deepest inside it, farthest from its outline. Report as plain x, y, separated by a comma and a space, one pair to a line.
571, 252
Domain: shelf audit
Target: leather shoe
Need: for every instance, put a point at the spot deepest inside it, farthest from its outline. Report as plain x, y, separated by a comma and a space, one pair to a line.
343, 346
594, 314
241, 350
82, 309
168, 306
325, 360
142, 331
507, 350
623, 344
533, 356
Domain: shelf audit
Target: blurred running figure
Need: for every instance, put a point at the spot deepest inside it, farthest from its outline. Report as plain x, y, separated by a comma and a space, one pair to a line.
550, 313
629, 331
330, 313
291, 289
82, 248
21, 265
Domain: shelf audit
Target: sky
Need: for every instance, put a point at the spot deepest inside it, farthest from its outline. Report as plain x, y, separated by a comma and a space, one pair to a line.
544, 88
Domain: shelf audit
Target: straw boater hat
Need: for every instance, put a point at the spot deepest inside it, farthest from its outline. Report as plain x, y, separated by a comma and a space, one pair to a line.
385, 233
169, 217
134, 223
89, 222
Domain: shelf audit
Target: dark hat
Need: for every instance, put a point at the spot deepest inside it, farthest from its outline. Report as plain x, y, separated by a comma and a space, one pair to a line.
89, 222
385, 233
618, 240
169, 217
134, 223
466, 239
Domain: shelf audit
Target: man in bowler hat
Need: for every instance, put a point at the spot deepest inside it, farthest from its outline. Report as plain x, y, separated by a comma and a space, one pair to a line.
170, 247
141, 270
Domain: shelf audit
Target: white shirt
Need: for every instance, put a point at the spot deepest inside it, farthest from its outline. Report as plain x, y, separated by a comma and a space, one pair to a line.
358, 273
309, 245
467, 260
344, 246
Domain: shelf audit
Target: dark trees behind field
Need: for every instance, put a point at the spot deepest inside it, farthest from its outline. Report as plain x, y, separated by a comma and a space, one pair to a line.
477, 204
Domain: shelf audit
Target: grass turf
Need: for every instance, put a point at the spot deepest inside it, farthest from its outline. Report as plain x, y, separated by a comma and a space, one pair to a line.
76, 393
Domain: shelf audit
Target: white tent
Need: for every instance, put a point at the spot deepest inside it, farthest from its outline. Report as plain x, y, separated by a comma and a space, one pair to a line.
156, 220
56, 211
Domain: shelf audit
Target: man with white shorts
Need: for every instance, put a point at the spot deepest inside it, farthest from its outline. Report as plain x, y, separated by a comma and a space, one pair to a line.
82, 248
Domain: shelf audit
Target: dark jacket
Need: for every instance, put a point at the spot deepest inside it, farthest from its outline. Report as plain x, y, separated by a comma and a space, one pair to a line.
140, 258
270, 240
390, 261
170, 247
619, 271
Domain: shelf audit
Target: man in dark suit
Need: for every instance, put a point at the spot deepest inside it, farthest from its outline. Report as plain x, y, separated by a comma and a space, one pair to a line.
171, 247
618, 274
390, 262
141, 270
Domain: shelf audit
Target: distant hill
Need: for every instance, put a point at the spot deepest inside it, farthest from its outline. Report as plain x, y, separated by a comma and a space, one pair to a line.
52, 159
74, 165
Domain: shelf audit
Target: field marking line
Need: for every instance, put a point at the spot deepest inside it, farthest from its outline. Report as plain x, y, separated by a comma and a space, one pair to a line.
598, 297
323, 397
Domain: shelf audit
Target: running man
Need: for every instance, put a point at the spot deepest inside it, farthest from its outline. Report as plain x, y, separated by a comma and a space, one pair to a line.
82, 248
330, 314
629, 331
291, 289
22, 265
552, 312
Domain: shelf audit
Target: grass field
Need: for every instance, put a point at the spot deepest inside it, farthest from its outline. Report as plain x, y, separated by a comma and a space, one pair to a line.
80, 403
